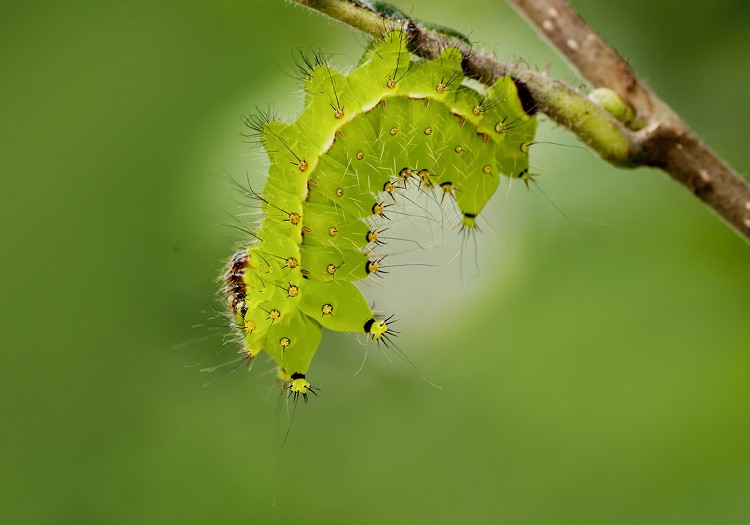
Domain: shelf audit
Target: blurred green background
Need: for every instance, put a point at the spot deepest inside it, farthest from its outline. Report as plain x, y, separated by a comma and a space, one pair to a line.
596, 371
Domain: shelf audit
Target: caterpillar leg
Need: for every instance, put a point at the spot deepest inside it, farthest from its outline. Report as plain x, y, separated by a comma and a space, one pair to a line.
380, 331
297, 384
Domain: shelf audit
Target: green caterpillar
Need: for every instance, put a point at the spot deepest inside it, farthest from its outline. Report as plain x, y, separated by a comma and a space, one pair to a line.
361, 138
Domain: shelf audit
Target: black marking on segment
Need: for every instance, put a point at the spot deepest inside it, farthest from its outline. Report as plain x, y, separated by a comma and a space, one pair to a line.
527, 100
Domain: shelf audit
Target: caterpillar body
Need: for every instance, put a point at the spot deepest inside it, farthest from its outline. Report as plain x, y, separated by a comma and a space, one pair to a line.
361, 138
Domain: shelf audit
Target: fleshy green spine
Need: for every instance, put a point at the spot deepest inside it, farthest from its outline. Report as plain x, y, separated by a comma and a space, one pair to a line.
360, 139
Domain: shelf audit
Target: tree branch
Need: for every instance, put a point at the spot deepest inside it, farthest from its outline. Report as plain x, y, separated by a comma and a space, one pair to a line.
597, 62
656, 137
665, 141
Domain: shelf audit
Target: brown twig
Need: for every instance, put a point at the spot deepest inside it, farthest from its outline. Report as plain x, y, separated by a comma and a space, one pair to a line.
665, 141
656, 137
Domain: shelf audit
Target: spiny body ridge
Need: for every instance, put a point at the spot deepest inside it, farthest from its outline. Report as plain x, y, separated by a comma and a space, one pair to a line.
333, 174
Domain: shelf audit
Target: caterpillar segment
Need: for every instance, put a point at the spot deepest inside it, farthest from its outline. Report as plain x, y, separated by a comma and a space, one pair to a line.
359, 141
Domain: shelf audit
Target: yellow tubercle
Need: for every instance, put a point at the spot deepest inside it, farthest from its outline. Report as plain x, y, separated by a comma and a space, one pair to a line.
469, 221
378, 329
300, 386
296, 382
